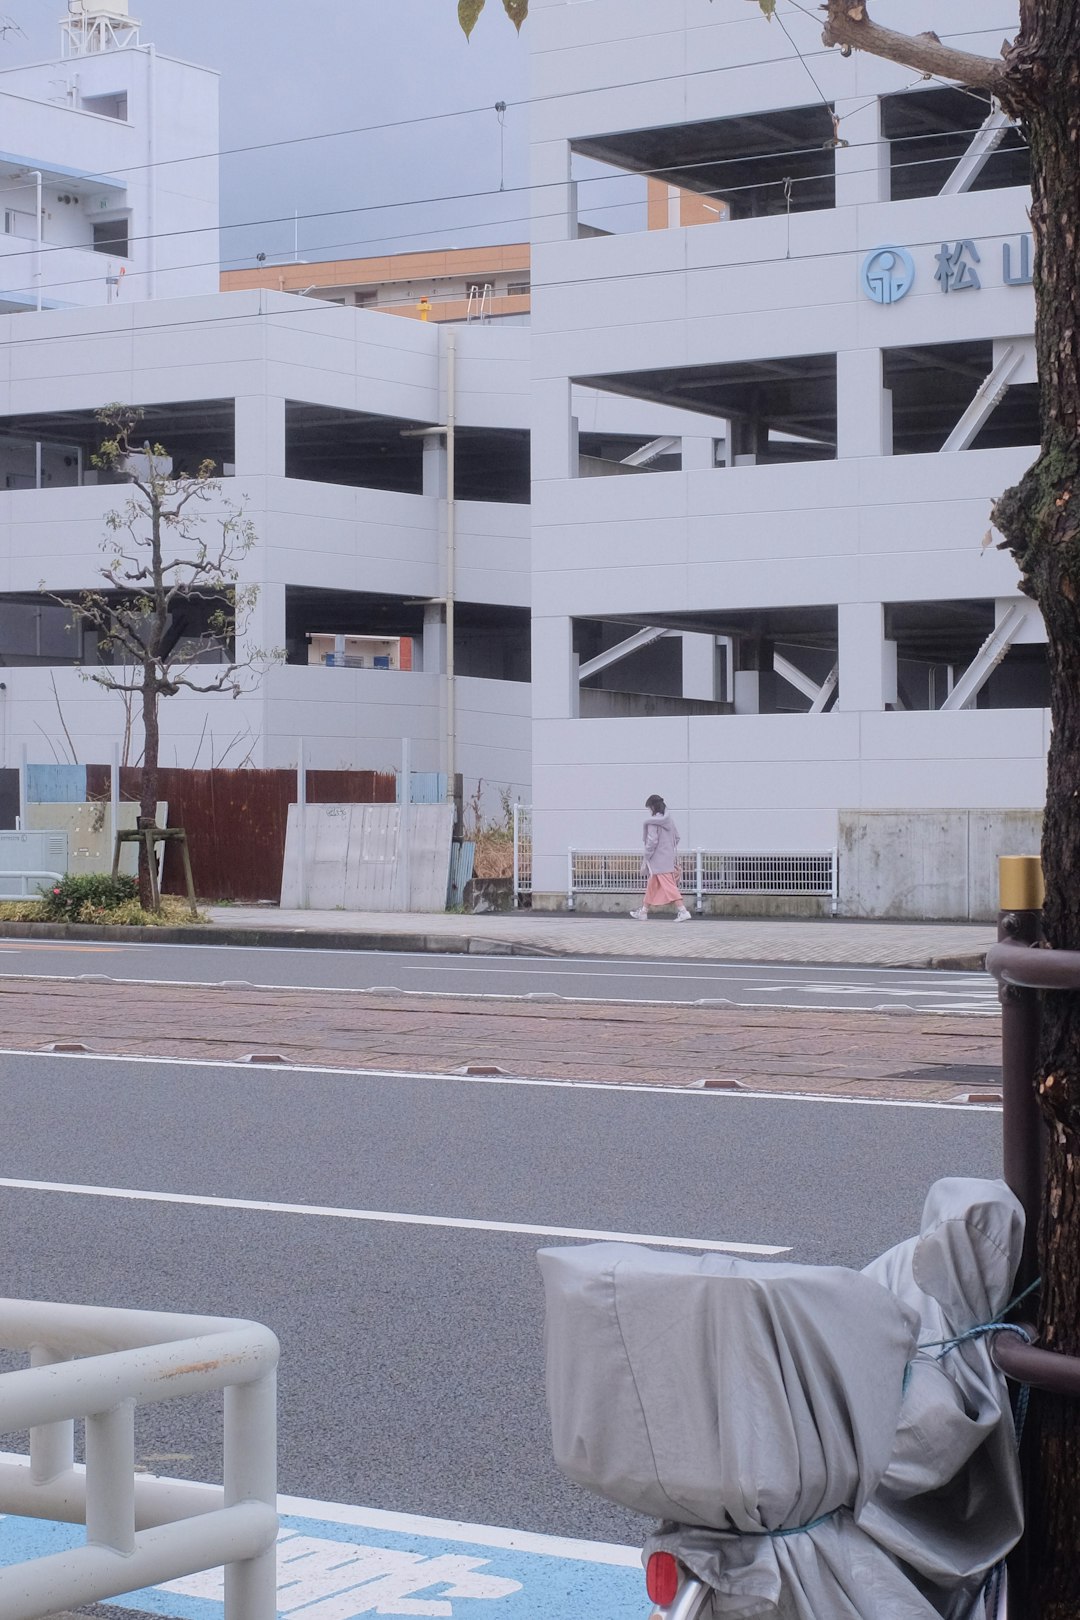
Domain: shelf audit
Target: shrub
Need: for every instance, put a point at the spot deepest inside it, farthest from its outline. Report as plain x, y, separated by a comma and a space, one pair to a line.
73, 896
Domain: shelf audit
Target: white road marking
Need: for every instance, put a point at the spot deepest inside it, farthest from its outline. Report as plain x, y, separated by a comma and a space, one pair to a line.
386, 1217
530, 996
478, 1535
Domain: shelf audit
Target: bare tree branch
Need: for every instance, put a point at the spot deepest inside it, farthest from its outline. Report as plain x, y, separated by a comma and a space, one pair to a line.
849, 26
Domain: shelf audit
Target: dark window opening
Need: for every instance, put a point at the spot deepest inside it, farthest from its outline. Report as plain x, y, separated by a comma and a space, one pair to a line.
365, 451
56, 449
756, 165
776, 411
605, 455
368, 630
492, 464
112, 236
937, 641
933, 385
929, 131
768, 661
107, 106
35, 630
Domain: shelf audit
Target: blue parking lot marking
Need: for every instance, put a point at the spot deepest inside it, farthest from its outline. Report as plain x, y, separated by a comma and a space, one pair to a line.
353, 1562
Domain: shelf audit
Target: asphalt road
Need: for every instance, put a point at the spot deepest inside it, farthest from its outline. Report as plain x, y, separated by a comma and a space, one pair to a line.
412, 1354
746, 985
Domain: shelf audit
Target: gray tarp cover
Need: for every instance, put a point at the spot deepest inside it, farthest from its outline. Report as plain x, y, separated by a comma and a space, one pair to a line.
790, 1408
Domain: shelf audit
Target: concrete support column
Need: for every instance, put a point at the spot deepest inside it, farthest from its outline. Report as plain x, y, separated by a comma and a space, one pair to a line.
699, 667
697, 453
554, 430
260, 436
554, 197
862, 167
265, 629
867, 662
863, 406
433, 645
755, 677
434, 466
555, 684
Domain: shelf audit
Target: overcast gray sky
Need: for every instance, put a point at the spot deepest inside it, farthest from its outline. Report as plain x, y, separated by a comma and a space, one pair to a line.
299, 70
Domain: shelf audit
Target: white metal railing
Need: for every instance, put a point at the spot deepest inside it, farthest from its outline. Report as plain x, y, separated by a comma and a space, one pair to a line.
140, 1530
24, 879
522, 851
702, 872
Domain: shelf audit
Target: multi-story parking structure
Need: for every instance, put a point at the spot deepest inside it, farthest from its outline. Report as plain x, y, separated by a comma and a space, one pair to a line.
795, 626
328, 426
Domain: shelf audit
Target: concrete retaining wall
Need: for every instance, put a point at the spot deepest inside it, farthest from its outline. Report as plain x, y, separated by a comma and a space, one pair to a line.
929, 864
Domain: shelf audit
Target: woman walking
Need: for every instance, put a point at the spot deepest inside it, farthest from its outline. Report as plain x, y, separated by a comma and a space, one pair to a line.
660, 862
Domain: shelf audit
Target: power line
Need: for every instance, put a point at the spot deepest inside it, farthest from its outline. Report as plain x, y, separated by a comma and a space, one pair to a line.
466, 112
31, 252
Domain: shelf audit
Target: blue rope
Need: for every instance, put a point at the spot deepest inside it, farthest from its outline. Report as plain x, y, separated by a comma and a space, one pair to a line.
993, 1588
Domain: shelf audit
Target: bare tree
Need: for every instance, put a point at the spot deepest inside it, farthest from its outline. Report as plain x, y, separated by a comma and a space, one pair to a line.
172, 606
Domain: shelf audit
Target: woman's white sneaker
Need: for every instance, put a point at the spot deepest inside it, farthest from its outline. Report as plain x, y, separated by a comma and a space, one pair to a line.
682, 915
641, 915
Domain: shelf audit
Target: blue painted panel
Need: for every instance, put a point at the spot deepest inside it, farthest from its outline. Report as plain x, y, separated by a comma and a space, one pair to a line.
428, 787
56, 784
462, 861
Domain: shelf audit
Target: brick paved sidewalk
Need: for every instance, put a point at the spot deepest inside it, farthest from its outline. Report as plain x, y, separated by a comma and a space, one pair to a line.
710, 939
854, 1054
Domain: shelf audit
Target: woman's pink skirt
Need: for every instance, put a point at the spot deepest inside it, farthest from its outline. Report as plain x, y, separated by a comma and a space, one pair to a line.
662, 890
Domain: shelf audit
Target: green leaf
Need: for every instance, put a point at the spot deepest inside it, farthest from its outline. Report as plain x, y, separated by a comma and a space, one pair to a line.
767, 6
517, 11
468, 11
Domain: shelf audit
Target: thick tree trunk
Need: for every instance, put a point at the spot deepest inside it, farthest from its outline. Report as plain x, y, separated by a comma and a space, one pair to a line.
1040, 520
148, 786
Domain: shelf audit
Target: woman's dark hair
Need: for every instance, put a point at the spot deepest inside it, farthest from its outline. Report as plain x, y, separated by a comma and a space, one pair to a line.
656, 804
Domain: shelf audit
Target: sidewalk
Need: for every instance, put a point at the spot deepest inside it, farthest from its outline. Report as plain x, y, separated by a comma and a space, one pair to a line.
528, 933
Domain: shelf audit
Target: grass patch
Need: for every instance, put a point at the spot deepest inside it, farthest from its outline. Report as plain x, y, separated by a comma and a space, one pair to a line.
174, 913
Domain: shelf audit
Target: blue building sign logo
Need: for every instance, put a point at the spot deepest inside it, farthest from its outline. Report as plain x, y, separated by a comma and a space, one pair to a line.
887, 274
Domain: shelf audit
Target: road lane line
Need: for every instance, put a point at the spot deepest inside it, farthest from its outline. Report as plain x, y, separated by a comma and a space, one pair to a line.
532, 995
386, 1217
556, 1083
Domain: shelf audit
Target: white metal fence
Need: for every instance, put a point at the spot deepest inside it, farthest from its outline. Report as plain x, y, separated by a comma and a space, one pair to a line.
704, 872
522, 851
140, 1530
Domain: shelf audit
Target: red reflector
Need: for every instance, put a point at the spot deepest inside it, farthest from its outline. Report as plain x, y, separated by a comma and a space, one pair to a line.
662, 1579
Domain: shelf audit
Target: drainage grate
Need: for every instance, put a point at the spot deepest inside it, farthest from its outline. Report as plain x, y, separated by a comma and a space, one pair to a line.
956, 1074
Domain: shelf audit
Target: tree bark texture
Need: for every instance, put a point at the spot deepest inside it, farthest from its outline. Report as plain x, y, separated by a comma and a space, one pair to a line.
1040, 520
1038, 82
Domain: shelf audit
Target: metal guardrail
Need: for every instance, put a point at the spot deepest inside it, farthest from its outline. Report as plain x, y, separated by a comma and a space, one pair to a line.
140, 1530
706, 872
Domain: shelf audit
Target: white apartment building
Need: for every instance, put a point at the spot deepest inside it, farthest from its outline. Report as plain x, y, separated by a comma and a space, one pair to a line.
792, 625
328, 426
108, 170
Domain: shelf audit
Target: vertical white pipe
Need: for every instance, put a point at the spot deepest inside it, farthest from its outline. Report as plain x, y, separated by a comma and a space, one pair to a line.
151, 174
251, 1476
451, 562
405, 823
114, 794
22, 788
301, 827
110, 1478
52, 1445
39, 256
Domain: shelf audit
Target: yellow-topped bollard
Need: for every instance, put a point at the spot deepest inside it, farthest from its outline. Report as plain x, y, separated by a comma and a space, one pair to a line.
1020, 883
